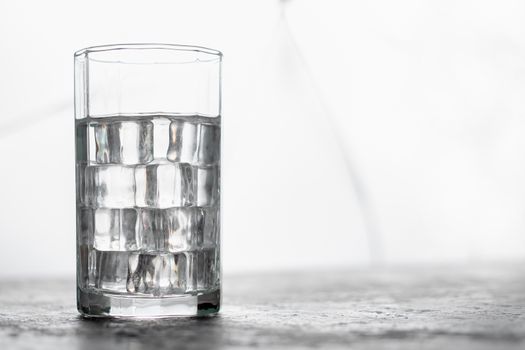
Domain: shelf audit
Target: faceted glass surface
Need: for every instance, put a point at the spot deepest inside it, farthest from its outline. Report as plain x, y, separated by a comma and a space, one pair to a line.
147, 134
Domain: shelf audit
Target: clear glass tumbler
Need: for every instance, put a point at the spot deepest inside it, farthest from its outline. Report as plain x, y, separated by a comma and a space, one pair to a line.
148, 131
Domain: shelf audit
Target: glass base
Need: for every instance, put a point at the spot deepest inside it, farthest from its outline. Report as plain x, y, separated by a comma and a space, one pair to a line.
96, 304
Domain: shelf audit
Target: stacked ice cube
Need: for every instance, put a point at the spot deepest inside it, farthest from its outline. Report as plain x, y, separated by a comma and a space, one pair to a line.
148, 204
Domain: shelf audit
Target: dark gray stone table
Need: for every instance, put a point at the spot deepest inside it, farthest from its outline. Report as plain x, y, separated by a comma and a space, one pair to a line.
423, 308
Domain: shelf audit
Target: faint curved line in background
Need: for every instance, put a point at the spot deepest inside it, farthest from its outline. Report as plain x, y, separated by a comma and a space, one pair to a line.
24, 120
373, 233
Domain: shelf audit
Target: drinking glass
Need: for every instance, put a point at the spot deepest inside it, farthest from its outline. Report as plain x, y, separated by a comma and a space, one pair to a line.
147, 132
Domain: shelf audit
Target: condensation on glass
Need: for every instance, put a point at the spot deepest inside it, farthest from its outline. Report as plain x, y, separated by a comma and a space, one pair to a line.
148, 131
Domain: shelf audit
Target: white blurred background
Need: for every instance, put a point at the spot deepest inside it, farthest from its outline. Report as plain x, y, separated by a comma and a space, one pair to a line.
356, 132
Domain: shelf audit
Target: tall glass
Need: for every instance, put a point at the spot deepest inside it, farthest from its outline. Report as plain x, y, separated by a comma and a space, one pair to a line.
148, 130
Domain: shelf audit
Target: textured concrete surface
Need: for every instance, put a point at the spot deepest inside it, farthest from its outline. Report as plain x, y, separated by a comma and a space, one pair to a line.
419, 308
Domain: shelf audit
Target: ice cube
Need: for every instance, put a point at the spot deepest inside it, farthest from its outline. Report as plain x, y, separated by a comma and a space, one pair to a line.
177, 273
92, 266
150, 235
209, 140
179, 229
102, 142
183, 142
207, 274
134, 281
157, 274
111, 273
206, 226
203, 269
124, 142
82, 143
115, 229
92, 144
87, 267
161, 132
163, 185
80, 175
107, 229
110, 186
85, 227
83, 265
206, 186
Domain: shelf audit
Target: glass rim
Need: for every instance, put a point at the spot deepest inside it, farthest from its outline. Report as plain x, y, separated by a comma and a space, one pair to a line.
145, 46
